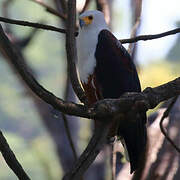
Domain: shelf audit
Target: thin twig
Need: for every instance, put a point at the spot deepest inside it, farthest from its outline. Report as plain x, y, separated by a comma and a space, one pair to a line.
71, 51
138, 8
5, 5
50, 9
166, 113
66, 125
23, 43
5, 13
90, 153
11, 159
150, 37
34, 25
86, 4
102, 5
61, 6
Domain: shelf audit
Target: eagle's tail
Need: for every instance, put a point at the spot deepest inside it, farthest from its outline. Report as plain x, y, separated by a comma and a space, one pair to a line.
134, 141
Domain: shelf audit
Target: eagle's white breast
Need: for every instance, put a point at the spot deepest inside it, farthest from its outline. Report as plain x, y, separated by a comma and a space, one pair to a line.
86, 46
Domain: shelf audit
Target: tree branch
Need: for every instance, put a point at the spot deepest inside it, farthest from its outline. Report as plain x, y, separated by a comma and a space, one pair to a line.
5, 13
61, 6
85, 6
137, 7
166, 114
50, 9
102, 110
66, 125
71, 51
123, 41
11, 160
30, 24
150, 37
102, 5
7, 48
148, 99
88, 156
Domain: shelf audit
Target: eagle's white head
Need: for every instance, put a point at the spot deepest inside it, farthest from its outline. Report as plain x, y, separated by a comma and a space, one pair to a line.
91, 24
91, 20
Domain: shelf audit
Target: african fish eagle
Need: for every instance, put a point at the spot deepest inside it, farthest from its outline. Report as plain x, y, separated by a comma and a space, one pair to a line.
106, 70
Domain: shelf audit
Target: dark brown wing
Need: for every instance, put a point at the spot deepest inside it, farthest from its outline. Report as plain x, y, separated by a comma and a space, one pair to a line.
116, 74
115, 70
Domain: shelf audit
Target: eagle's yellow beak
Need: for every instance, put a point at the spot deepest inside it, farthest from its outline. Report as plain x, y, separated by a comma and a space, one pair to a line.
85, 21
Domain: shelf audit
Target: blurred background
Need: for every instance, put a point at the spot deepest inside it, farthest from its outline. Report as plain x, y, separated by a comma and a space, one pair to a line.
34, 130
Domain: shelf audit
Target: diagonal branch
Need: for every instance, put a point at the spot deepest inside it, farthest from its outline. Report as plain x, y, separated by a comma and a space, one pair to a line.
88, 156
166, 113
61, 6
23, 43
68, 132
7, 48
11, 160
50, 9
87, 2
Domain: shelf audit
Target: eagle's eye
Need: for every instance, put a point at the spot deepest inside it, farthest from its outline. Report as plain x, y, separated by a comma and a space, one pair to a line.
90, 17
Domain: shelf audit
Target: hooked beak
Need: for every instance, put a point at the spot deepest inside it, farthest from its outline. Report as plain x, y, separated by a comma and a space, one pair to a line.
81, 22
